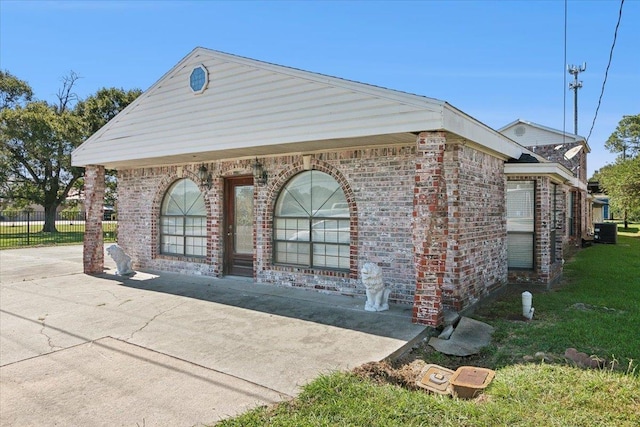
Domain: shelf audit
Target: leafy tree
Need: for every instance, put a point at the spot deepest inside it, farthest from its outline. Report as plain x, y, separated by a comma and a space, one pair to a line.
621, 181
38, 137
13, 91
626, 138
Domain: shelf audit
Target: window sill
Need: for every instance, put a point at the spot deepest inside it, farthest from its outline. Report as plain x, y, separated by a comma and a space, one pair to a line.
183, 258
312, 270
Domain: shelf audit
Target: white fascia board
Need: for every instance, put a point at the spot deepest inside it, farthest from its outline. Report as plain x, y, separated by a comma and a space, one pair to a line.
575, 182
555, 171
459, 123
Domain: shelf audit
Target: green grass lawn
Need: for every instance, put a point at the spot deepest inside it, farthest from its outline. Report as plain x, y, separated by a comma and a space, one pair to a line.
15, 236
596, 309
520, 395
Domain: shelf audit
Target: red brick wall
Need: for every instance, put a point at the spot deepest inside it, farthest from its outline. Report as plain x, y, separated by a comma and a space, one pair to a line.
378, 186
430, 228
477, 225
577, 164
459, 228
431, 214
140, 195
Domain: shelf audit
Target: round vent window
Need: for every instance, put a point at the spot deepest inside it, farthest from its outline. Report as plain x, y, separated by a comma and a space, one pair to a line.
199, 79
520, 130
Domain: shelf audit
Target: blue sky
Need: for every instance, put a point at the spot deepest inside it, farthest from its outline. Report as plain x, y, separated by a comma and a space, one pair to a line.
495, 60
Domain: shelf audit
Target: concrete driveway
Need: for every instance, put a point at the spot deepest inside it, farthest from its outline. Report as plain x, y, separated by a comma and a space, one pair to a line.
159, 349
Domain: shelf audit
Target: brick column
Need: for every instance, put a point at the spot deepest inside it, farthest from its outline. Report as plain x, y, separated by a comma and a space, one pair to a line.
542, 239
93, 252
429, 228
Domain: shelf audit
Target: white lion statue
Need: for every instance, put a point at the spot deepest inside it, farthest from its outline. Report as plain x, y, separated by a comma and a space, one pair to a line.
377, 294
123, 261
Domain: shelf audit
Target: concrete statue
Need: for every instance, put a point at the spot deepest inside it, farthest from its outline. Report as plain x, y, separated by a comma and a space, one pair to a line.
123, 261
377, 294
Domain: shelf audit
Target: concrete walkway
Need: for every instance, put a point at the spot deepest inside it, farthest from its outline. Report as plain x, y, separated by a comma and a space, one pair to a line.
161, 349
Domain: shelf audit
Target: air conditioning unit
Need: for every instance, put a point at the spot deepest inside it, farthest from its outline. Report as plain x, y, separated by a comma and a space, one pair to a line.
605, 232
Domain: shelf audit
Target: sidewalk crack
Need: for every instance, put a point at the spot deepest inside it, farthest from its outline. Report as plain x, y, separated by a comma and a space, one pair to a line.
148, 322
49, 340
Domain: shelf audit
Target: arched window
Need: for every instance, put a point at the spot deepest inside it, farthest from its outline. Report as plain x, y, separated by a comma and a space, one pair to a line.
311, 223
183, 221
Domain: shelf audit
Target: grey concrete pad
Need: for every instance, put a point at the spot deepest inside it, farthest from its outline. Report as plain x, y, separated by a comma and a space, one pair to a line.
109, 382
270, 339
451, 317
468, 338
17, 265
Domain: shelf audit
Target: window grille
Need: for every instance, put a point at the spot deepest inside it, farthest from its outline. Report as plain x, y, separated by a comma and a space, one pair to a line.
311, 223
183, 221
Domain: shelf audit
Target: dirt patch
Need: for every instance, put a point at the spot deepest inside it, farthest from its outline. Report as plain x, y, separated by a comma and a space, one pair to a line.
403, 375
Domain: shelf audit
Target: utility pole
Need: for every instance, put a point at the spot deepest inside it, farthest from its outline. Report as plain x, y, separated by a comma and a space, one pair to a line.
574, 70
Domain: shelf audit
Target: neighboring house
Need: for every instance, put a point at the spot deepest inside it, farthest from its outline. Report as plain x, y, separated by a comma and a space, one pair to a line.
600, 209
232, 166
563, 220
600, 202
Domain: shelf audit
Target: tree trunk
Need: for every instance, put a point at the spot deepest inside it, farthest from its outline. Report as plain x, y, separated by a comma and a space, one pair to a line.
50, 219
626, 220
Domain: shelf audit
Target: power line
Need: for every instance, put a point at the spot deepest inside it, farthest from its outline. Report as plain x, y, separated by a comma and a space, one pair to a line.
606, 73
564, 83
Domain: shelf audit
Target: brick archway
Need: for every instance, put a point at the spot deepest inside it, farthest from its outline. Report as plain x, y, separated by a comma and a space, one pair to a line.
278, 183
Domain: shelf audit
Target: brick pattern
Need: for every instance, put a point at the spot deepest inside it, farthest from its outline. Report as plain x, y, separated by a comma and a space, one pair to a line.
577, 164
93, 250
380, 227
140, 195
431, 214
429, 228
459, 226
477, 225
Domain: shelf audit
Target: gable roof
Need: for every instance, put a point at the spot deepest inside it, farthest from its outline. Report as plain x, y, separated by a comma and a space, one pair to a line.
531, 134
253, 108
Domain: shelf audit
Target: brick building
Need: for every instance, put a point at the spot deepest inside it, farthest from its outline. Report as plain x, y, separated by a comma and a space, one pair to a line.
232, 166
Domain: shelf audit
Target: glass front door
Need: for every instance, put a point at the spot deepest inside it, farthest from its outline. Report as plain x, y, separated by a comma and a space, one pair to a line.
239, 226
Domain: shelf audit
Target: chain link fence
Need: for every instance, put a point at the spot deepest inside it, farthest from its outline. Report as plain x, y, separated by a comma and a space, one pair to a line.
24, 228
